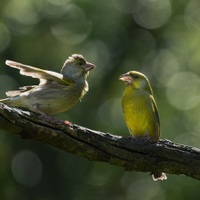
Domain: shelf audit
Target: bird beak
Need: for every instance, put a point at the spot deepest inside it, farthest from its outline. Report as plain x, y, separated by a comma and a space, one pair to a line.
89, 66
126, 78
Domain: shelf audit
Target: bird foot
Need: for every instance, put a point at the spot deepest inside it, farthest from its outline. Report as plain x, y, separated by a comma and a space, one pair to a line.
159, 176
68, 123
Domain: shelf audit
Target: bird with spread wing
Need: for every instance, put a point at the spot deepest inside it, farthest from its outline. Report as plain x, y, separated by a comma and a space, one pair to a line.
56, 92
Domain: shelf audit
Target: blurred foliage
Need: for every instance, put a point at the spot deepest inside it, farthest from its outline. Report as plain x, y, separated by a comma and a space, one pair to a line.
159, 38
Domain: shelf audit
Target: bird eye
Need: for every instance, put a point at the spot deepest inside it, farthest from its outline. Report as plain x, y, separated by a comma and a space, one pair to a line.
135, 76
80, 63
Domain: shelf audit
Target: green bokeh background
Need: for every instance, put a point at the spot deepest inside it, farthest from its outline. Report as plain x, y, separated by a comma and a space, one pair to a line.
160, 38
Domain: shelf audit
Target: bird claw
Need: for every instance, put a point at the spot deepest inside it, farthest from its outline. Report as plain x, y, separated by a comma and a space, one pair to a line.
159, 176
66, 122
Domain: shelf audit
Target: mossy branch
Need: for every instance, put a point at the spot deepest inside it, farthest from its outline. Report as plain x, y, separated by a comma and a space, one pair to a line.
164, 156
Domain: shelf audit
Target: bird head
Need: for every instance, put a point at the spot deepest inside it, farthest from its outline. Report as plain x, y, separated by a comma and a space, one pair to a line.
76, 66
136, 80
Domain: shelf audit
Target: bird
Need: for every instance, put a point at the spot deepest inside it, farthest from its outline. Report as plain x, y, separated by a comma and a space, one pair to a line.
140, 110
56, 92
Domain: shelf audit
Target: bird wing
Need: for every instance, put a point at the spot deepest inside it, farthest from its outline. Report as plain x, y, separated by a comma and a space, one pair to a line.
43, 75
14, 93
155, 111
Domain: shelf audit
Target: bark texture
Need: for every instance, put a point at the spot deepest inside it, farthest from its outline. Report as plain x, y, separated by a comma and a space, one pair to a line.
164, 156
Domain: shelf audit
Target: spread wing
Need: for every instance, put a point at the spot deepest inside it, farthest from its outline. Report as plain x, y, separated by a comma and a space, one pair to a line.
43, 75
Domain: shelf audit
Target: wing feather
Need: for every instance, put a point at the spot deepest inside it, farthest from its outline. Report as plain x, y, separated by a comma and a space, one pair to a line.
156, 115
14, 93
43, 75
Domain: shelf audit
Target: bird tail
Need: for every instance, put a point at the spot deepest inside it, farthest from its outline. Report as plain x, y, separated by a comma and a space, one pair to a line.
11, 101
6, 101
159, 176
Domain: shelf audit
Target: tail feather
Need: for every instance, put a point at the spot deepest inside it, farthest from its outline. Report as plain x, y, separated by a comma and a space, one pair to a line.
10, 102
6, 101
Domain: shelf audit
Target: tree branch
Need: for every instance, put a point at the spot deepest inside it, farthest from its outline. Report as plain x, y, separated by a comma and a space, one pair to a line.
164, 156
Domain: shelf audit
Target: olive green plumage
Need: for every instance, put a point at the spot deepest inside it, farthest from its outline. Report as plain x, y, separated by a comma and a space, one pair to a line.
56, 92
140, 110
139, 106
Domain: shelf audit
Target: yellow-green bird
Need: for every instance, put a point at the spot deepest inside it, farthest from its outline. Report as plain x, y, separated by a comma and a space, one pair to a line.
56, 92
140, 110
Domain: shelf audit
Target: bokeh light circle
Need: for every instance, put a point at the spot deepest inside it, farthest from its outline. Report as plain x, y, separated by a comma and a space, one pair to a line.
152, 14
183, 90
161, 64
21, 17
68, 31
192, 14
27, 168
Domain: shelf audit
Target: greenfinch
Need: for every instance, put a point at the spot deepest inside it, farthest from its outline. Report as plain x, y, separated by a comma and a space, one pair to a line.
56, 92
140, 110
